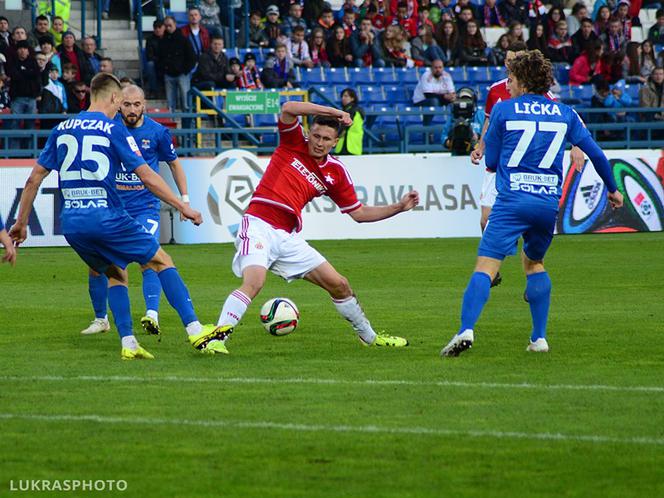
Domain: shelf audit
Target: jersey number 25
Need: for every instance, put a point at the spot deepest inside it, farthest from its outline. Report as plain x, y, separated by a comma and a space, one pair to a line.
87, 154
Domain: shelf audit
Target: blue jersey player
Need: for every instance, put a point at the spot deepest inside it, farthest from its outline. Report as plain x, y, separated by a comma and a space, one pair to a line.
87, 151
155, 144
10, 250
524, 145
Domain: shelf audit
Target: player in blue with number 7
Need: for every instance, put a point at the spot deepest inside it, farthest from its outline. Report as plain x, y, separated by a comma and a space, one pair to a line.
87, 151
524, 145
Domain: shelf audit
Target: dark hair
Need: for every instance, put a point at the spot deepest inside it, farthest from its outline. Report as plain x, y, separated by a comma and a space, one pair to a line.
351, 93
327, 121
216, 37
3, 18
533, 70
46, 39
593, 50
601, 85
327, 10
104, 82
41, 18
191, 9
632, 54
105, 59
517, 46
586, 20
157, 24
577, 7
68, 66
298, 28
659, 13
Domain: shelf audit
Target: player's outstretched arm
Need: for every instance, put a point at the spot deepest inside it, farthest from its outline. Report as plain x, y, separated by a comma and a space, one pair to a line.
160, 188
180, 180
19, 231
10, 250
291, 110
603, 168
366, 214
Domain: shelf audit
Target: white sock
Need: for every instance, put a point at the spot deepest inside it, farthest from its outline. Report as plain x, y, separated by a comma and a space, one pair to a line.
234, 308
153, 314
351, 310
130, 342
194, 328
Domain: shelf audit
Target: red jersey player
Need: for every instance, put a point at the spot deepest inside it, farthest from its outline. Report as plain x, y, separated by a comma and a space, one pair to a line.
498, 92
300, 170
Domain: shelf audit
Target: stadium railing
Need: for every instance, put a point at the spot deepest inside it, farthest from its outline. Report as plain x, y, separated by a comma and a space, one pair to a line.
388, 130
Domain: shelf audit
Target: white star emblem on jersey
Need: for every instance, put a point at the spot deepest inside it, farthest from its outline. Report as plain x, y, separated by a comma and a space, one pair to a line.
329, 179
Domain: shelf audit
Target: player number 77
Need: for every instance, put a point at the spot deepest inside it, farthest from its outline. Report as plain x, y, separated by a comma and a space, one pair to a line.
529, 129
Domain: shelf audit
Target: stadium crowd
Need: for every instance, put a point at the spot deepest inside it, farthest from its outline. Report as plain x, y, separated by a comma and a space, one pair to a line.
47, 70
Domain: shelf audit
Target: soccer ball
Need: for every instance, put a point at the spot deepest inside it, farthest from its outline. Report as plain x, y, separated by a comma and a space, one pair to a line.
279, 316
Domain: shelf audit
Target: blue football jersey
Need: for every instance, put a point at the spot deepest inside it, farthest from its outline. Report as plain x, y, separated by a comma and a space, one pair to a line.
525, 143
87, 150
155, 142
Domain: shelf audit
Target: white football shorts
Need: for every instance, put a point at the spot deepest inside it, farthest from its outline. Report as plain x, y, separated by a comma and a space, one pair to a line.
489, 192
285, 254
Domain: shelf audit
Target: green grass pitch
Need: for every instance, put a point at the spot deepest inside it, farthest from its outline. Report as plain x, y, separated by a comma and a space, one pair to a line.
315, 414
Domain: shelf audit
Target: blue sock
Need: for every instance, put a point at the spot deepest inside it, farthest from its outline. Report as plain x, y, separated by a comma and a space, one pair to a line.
474, 299
98, 289
118, 300
177, 295
538, 292
151, 289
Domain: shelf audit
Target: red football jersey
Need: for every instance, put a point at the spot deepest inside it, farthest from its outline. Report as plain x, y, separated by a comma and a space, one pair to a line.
498, 92
293, 178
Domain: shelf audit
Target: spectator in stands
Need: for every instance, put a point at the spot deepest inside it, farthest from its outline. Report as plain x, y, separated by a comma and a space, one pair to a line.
652, 95
46, 46
656, 31
5, 100
472, 47
648, 61
434, 10
318, 48
447, 37
351, 138
462, 5
622, 13
598, 4
106, 66
338, 49
364, 47
348, 23
257, 36
278, 71
537, 40
632, 64
602, 20
25, 87
614, 39
498, 53
273, 26
560, 44
312, 11
553, 17
406, 21
375, 15
515, 32
424, 49
69, 52
68, 74
40, 30
294, 19
584, 36
249, 79
18, 34
197, 35
90, 63
326, 22
298, 48
154, 78
209, 10
491, 15
235, 70
56, 88
513, 10
57, 30
79, 98
176, 60
346, 5
589, 64
579, 13
213, 69
391, 45
463, 18
423, 18
42, 64
434, 88
5, 35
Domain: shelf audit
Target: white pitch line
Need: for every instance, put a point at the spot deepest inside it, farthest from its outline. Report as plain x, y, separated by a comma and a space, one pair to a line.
344, 382
364, 429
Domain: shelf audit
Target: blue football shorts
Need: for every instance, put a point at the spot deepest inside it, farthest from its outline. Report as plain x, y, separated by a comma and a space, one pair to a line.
150, 219
509, 220
116, 241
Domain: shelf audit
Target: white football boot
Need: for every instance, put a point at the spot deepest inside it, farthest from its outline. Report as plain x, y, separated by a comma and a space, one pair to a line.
539, 346
97, 326
459, 343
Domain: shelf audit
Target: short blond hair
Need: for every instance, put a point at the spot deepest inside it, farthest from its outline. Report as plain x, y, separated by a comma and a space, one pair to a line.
103, 85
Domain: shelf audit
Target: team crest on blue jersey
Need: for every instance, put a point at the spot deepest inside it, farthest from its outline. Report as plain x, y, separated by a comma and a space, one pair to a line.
145, 143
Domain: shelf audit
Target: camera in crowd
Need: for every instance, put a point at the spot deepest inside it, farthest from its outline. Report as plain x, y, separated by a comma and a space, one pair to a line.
461, 139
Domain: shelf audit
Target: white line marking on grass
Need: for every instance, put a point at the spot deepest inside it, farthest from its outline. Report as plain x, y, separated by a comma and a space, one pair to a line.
344, 382
364, 429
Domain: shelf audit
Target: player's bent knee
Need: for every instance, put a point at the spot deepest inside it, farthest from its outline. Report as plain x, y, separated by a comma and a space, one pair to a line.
160, 261
117, 276
253, 280
340, 288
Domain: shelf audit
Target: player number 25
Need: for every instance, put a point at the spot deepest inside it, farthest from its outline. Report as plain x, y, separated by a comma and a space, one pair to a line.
87, 154
529, 129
